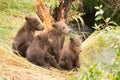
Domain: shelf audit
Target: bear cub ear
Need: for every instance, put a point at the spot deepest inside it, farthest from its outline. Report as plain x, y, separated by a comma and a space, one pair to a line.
27, 18
54, 25
71, 39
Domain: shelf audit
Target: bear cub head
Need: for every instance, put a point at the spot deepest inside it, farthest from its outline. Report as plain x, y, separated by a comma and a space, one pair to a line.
75, 44
61, 28
34, 23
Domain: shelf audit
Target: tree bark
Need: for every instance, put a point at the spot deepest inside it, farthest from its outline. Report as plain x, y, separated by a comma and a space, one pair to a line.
59, 14
61, 11
44, 15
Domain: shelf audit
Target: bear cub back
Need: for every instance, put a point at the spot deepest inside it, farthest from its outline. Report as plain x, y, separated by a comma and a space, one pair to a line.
37, 50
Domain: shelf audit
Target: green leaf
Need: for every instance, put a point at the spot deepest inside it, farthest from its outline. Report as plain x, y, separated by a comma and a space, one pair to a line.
91, 70
100, 12
107, 20
97, 7
101, 6
82, 21
95, 25
75, 18
98, 72
94, 65
113, 23
98, 17
91, 76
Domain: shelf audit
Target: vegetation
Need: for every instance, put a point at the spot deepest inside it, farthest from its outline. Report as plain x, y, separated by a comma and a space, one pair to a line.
103, 23
107, 42
100, 58
12, 14
110, 7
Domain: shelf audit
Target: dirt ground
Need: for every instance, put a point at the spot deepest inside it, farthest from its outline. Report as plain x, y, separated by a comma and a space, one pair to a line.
13, 67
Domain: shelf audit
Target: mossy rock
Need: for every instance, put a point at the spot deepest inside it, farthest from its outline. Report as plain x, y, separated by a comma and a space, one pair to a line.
100, 47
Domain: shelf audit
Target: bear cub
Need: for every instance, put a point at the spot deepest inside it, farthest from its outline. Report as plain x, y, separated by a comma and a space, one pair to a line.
69, 56
57, 34
25, 35
37, 50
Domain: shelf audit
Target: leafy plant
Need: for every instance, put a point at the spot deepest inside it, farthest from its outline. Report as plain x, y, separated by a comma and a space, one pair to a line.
110, 7
92, 73
79, 19
102, 22
96, 71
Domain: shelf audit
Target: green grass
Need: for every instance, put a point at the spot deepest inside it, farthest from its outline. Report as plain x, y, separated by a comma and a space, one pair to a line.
12, 13
16, 5
8, 27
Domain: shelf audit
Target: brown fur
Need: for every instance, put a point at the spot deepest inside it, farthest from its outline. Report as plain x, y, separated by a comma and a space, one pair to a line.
51, 60
57, 35
69, 56
37, 50
25, 35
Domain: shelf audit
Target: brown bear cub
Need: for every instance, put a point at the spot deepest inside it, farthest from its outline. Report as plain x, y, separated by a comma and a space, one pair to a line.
57, 34
25, 35
37, 50
69, 56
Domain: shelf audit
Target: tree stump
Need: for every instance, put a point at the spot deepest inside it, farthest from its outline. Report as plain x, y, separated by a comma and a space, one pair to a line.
44, 15
59, 14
